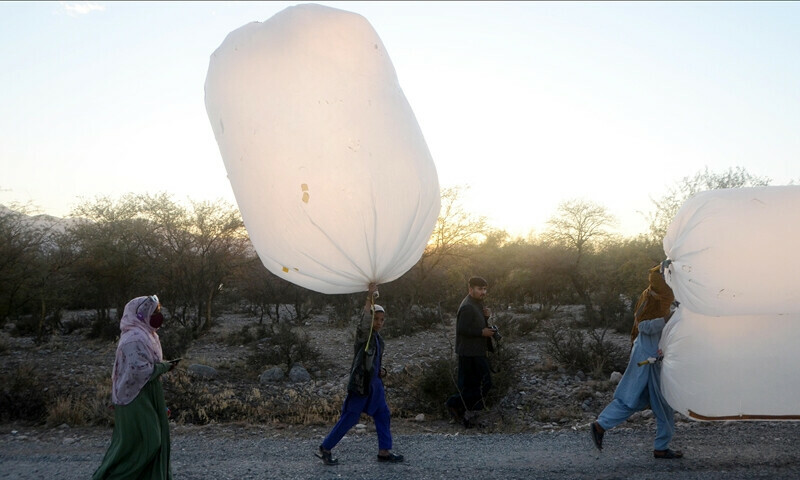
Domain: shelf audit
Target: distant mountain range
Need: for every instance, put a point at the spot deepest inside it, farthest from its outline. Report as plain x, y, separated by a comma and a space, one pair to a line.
57, 224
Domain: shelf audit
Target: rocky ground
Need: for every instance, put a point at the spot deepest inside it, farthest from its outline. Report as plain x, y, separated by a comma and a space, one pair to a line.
538, 430
718, 451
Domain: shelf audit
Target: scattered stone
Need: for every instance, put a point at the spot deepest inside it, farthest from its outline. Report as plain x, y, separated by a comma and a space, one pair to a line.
274, 374
299, 374
202, 371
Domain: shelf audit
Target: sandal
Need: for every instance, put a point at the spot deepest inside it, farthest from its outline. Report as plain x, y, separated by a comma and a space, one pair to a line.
471, 419
455, 414
669, 454
327, 456
597, 435
391, 458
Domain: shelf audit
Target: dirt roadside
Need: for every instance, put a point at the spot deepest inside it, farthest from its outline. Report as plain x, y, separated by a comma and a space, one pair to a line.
734, 450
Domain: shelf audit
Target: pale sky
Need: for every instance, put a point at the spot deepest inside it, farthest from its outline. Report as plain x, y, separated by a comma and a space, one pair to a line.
527, 103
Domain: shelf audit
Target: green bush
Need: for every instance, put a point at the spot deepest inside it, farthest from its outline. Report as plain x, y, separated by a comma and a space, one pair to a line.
588, 351
247, 335
516, 326
412, 320
175, 340
623, 322
286, 346
505, 376
426, 389
29, 326
103, 328
23, 395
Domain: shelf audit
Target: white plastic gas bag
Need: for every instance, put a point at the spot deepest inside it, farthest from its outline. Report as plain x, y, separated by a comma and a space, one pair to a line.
329, 167
734, 251
732, 367
731, 348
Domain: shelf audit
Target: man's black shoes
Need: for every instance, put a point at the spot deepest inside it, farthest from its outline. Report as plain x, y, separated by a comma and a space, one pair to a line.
391, 458
455, 413
327, 457
667, 454
597, 435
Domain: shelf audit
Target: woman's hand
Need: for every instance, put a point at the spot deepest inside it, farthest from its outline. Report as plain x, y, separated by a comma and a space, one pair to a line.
173, 363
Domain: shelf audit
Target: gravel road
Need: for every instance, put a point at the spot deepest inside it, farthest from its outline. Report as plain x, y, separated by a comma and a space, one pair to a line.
734, 450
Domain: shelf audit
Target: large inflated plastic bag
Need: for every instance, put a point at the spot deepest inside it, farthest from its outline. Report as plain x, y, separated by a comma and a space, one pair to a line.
730, 349
731, 367
329, 167
734, 251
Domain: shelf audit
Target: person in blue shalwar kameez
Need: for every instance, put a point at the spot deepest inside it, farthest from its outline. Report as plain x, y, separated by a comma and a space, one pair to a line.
365, 392
640, 386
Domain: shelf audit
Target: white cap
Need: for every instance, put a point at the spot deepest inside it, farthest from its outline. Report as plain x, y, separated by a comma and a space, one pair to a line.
377, 308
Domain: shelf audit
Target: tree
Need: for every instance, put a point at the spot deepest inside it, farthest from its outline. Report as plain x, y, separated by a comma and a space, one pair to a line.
538, 275
32, 260
455, 229
260, 288
619, 274
579, 226
20, 243
198, 249
668, 205
111, 261
145, 244
440, 269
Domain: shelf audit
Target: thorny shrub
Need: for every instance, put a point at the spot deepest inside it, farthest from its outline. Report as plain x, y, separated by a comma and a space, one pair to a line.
286, 346
67, 410
192, 401
197, 401
175, 340
246, 335
23, 395
103, 328
410, 321
518, 326
91, 406
426, 388
588, 351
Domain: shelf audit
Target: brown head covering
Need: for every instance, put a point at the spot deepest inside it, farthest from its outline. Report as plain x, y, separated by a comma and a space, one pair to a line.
654, 301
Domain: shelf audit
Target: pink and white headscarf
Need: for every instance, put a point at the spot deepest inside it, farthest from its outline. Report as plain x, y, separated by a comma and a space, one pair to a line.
138, 351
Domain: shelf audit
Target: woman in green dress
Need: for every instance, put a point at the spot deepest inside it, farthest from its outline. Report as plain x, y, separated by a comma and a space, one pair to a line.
140, 444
